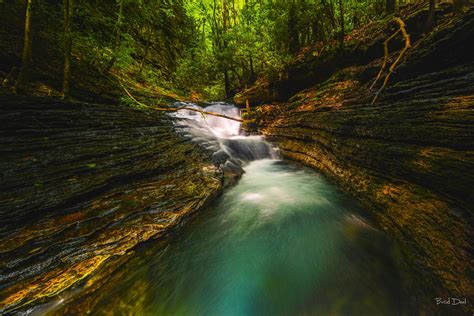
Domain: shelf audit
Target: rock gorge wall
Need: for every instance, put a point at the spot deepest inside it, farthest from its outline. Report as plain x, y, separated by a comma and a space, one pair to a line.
81, 186
409, 158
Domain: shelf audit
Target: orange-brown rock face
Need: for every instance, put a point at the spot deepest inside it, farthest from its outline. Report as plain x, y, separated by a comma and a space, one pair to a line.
82, 185
408, 158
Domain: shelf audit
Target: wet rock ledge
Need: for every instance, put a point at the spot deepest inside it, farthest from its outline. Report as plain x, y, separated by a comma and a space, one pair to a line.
409, 158
81, 186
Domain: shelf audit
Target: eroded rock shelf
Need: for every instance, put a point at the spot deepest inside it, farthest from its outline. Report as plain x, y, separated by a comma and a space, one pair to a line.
82, 185
408, 158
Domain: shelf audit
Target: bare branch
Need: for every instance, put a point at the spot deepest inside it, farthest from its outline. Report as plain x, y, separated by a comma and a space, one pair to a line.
405, 35
177, 109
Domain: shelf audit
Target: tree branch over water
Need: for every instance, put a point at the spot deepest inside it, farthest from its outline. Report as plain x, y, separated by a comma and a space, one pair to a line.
176, 109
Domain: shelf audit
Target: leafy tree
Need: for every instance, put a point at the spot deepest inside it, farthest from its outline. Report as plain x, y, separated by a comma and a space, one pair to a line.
212, 47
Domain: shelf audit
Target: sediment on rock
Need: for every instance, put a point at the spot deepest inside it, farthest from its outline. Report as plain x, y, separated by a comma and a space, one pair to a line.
82, 185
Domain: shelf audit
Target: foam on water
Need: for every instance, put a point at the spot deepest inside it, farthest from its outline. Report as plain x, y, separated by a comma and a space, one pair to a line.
218, 126
221, 134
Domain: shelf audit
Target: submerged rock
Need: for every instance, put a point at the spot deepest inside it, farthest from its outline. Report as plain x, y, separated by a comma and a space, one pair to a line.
249, 148
232, 172
220, 157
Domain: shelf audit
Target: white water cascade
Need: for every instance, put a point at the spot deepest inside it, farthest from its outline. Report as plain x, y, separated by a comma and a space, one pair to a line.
222, 136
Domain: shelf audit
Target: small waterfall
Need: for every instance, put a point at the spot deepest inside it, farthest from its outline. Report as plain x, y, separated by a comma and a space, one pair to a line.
223, 136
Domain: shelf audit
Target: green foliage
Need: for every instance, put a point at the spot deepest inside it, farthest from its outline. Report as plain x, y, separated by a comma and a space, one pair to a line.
214, 91
253, 38
204, 46
142, 40
125, 52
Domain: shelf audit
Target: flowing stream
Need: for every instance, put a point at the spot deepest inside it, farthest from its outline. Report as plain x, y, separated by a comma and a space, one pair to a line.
282, 241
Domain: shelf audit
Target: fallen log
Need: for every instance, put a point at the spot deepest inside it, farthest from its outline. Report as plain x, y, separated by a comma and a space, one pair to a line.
169, 109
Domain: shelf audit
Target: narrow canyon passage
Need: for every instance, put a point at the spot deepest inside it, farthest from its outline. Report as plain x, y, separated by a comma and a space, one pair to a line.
282, 241
334, 177
244, 157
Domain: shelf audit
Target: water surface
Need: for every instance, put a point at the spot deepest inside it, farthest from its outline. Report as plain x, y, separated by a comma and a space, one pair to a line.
283, 241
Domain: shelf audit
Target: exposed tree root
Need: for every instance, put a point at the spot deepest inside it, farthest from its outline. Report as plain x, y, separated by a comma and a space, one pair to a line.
405, 35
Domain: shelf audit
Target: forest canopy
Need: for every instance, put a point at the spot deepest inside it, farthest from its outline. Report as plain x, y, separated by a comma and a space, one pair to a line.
210, 49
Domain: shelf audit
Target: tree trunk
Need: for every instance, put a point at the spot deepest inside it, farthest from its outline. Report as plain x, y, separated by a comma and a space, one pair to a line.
227, 84
234, 13
315, 29
342, 32
458, 5
356, 20
329, 9
225, 18
27, 51
145, 55
390, 6
203, 39
293, 38
67, 12
118, 28
252, 70
431, 15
